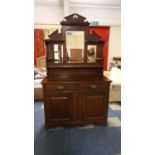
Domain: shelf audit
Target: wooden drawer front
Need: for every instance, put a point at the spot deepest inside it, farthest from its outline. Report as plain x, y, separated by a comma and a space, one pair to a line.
92, 87
60, 87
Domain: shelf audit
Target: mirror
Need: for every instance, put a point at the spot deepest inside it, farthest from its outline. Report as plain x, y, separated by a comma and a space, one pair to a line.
75, 46
91, 53
58, 53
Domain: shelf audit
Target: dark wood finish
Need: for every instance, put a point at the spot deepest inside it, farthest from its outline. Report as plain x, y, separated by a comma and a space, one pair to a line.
60, 106
74, 72
75, 102
75, 19
93, 105
94, 38
75, 93
78, 24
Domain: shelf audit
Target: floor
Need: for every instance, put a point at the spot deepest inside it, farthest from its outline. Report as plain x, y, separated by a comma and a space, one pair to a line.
87, 140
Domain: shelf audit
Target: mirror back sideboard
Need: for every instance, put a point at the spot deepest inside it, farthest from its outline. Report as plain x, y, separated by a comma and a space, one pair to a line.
75, 90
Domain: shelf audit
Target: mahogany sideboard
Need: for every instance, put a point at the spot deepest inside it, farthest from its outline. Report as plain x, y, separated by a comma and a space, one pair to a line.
75, 91
75, 102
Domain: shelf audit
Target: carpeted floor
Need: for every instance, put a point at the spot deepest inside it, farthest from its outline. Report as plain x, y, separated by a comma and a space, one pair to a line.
88, 140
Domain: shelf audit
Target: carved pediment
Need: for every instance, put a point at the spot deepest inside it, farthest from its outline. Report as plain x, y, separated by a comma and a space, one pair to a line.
55, 36
75, 19
94, 38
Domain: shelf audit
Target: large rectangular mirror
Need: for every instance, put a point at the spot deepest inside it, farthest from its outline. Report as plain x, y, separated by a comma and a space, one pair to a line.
75, 46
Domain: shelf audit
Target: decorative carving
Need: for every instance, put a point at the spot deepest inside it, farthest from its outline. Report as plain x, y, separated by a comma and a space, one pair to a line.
75, 19
55, 36
94, 38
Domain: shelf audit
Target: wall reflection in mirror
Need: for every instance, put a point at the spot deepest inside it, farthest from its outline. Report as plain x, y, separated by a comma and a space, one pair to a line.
75, 46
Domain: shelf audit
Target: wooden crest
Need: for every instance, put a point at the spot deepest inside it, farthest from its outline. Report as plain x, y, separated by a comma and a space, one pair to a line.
55, 36
75, 19
94, 38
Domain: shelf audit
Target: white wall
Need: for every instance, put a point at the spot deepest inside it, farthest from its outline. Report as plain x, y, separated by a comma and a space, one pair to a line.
48, 14
105, 16
114, 43
47, 26
51, 14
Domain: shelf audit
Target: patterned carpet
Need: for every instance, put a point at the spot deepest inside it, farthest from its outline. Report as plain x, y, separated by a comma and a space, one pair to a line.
87, 140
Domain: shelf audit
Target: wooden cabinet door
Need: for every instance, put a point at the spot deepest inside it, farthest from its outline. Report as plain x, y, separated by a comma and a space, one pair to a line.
59, 106
94, 105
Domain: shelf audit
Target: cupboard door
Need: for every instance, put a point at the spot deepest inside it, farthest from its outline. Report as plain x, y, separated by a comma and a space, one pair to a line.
94, 106
59, 106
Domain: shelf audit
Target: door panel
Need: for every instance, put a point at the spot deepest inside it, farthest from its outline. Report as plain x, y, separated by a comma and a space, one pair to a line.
60, 106
93, 105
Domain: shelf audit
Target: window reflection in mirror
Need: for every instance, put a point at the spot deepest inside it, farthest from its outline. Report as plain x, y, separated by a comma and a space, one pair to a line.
75, 46
91, 53
58, 53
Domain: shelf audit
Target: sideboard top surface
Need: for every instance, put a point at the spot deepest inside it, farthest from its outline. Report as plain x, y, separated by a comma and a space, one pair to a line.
75, 80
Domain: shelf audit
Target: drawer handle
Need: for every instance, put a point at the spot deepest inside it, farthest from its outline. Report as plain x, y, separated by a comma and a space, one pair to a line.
93, 86
60, 87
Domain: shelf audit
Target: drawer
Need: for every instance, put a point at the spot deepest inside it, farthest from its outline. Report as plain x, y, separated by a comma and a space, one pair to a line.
92, 86
60, 87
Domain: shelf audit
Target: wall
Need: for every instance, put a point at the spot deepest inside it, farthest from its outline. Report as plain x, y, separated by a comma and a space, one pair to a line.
54, 14
47, 26
105, 16
48, 14
114, 43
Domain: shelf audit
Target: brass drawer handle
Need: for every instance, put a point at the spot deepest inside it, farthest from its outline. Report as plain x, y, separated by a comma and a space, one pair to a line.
60, 87
93, 86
